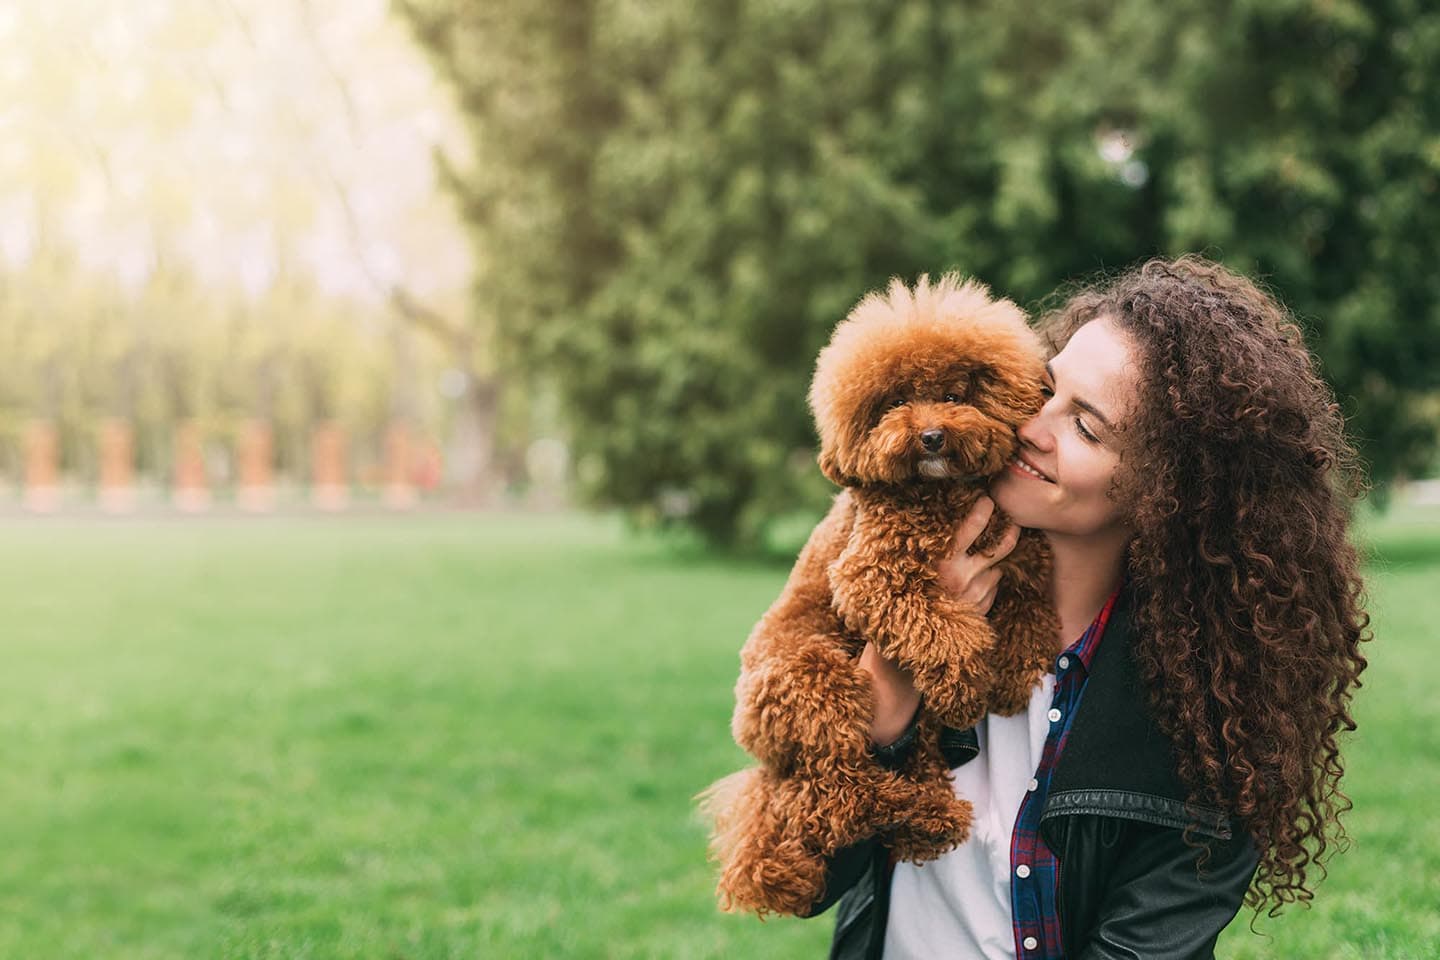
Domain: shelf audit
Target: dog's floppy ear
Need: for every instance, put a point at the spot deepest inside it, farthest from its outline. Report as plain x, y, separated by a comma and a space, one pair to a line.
832, 471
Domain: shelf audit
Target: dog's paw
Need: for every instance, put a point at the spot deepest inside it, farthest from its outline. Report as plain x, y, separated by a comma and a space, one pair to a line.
1011, 693
956, 692
936, 823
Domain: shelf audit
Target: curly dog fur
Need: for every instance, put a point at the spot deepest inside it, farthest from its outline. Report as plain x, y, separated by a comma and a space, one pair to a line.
917, 399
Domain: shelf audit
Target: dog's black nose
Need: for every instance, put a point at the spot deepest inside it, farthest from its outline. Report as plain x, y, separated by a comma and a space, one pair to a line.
932, 439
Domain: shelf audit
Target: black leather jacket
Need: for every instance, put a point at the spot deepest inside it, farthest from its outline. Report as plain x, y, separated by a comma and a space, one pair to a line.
1131, 886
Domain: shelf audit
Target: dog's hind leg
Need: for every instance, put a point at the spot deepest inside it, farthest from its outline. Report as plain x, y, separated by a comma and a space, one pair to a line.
813, 700
932, 820
768, 862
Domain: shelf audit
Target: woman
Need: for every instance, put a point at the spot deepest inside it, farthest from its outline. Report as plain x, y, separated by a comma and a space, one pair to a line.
1190, 472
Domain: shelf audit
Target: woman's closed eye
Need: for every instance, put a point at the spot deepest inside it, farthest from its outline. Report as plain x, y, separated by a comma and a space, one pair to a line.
1047, 390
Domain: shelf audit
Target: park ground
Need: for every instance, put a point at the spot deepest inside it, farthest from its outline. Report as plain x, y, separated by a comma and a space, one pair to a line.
479, 736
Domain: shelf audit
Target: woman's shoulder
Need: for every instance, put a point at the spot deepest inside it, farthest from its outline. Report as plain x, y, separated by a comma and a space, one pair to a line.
1114, 739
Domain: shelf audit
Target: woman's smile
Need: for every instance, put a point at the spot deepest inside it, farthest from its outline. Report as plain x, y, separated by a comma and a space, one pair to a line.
1025, 468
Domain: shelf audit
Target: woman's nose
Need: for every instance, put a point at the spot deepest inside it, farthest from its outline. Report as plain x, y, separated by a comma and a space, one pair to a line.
1034, 432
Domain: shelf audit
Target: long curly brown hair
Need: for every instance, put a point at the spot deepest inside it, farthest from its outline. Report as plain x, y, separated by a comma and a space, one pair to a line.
1248, 591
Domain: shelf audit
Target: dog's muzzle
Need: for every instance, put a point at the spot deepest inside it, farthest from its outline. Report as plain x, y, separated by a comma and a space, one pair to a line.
933, 468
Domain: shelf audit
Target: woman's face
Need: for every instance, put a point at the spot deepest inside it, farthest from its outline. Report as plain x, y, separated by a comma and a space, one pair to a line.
1060, 481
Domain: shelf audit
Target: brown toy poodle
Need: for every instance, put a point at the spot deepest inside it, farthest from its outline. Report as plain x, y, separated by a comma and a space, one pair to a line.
917, 399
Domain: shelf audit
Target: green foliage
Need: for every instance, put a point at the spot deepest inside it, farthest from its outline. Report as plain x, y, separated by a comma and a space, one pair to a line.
674, 203
146, 199
311, 740
76, 348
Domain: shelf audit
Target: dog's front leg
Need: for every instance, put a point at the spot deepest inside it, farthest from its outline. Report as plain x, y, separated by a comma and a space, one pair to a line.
947, 645
898, 605
1026, 627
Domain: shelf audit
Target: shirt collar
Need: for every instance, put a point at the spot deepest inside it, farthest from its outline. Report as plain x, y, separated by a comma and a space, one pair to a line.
1084, 648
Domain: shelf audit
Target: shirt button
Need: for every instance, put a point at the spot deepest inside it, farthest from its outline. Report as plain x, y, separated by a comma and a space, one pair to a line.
1033, 785
1054, 715
1022, 871
1064, 662
1030, 943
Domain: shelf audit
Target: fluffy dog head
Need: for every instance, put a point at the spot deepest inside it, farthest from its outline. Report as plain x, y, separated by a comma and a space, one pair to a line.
925, 385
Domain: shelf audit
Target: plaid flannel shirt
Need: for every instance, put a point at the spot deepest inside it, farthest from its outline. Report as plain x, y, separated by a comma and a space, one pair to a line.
1034, 870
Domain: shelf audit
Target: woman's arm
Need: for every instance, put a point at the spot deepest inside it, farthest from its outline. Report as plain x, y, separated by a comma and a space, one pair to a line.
1157, 905
897, 702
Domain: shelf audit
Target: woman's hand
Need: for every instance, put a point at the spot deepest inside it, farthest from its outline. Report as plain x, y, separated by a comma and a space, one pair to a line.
966, 576
975, 577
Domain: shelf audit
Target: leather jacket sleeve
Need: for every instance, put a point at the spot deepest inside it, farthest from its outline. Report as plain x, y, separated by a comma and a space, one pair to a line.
1156, 904
843, 870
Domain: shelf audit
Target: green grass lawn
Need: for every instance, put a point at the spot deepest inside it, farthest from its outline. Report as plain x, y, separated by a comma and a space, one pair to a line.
479, 737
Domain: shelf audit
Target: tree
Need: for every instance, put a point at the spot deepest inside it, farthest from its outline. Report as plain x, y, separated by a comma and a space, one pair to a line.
1293, 140
673, 204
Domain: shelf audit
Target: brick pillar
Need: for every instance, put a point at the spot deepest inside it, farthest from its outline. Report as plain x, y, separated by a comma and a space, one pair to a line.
427, 466
399, 490
117, 466
328, 487
191, 491
256, 449
42, 466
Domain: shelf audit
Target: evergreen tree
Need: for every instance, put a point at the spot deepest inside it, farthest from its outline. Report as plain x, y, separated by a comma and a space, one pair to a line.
674, 203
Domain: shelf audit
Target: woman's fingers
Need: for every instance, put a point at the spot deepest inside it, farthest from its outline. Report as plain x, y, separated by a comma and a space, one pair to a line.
1005, 544
976, 519
988, 580
969, 577
988, 600
975, 577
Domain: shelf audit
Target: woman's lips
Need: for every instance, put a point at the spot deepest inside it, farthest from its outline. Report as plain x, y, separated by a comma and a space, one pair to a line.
1025, 469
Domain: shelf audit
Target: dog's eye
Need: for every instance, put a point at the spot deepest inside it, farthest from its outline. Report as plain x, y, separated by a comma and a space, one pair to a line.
953, 398
896, 402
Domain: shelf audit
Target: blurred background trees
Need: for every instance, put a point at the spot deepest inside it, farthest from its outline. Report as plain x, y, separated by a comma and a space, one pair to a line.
205, 211
673, 203
603, 240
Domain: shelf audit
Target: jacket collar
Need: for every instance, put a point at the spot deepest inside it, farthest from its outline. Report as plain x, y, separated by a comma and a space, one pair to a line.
1115, 755
1116, 761
1083, 649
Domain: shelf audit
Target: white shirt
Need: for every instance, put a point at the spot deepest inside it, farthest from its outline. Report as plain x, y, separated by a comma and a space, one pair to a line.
959, 905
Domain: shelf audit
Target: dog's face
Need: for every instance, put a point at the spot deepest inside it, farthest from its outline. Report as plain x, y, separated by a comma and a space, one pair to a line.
925, 385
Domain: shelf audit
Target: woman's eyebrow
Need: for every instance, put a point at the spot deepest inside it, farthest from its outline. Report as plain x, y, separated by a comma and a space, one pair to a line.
1085, 405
